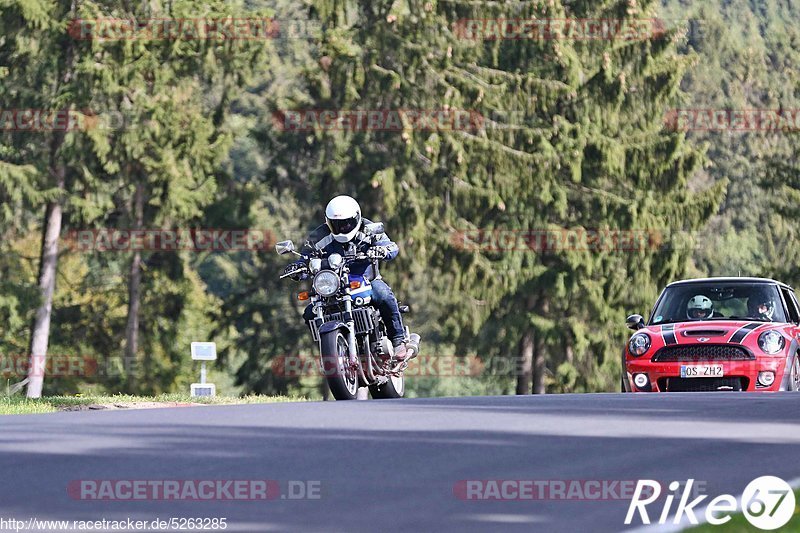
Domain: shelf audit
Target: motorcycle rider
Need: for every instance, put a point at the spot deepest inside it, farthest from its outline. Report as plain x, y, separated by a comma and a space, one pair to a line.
341, 232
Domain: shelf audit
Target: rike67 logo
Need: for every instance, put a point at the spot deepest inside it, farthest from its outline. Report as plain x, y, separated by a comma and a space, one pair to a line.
767, 502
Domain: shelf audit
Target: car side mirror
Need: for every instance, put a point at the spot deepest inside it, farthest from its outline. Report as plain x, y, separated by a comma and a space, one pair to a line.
284, 247
374, 228
634, 322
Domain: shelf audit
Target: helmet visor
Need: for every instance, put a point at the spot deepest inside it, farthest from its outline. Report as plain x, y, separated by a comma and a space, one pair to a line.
342, 226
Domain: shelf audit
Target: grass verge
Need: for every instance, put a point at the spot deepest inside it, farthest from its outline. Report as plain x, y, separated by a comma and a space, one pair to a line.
20, 405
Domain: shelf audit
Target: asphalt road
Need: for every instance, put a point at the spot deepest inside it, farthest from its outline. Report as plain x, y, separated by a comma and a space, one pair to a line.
393, 465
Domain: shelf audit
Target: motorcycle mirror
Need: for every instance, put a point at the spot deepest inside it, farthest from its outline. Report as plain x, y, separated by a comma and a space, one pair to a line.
284, 247
634, 322
374, 228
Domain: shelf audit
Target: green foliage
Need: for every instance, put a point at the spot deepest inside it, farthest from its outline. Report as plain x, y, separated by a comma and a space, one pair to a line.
570, 136
573, 139
745, 50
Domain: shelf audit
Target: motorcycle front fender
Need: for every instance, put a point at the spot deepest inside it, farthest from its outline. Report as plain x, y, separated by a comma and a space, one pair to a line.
330, 328
327, 327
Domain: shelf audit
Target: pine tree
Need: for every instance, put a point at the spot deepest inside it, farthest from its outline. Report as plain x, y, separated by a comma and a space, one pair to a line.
746, 52
42, 78
574, 140
162, 164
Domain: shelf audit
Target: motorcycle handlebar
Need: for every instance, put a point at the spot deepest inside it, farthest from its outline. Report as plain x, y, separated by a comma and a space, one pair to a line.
357, 257
293, 272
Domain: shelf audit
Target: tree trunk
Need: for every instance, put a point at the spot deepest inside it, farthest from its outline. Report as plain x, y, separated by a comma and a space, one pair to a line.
524, 367
134, 296
48, 264
47, 283
326, 392
525, 363
540, 355
539, 365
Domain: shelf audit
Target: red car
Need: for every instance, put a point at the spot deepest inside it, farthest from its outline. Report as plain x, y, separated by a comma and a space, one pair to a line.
716, 334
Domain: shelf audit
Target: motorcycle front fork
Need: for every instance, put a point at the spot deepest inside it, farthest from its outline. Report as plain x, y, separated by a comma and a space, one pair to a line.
351, 326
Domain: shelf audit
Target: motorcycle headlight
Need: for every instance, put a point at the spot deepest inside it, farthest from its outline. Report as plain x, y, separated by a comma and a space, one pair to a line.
771, 342
639, 344
326, 283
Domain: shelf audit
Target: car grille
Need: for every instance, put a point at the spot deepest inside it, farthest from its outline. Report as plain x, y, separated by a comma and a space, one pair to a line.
702, 384
702, 352
362, 316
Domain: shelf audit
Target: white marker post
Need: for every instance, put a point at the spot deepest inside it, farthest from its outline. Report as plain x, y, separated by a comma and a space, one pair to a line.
203, 351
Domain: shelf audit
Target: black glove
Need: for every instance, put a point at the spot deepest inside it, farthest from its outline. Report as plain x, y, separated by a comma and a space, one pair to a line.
377, 252
294, 271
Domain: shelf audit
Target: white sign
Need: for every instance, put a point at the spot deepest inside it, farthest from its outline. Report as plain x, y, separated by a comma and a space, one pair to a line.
203, 389
204, 351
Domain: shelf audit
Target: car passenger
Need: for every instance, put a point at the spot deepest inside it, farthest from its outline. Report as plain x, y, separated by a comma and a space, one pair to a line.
699, 308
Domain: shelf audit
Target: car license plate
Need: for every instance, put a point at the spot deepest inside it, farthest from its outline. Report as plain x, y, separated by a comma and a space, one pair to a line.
701, 371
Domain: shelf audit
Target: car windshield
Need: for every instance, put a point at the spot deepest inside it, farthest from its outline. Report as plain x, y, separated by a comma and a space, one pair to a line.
720, 301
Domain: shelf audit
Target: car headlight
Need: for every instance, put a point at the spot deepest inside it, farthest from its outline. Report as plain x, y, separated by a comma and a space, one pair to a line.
326, 283
639, 344
771, 342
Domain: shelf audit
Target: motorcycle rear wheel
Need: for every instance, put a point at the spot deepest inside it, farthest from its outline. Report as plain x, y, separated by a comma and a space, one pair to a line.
394, 388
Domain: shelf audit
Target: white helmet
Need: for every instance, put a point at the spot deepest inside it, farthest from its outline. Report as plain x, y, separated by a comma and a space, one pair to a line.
343, 216
699, 307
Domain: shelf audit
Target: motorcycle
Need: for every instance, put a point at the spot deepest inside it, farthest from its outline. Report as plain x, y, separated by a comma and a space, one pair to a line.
354, 349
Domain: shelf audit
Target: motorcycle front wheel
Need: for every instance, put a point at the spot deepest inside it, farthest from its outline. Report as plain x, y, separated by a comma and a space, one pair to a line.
341, 377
